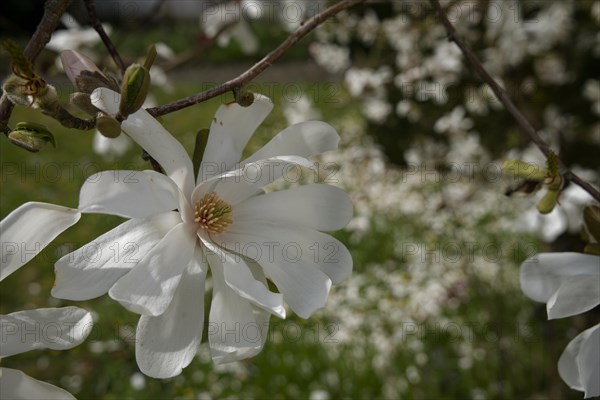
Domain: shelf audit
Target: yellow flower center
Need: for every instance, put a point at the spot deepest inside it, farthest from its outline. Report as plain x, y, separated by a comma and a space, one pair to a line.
212, 213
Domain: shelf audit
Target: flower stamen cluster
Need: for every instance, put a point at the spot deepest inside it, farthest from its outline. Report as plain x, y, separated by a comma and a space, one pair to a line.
213, 213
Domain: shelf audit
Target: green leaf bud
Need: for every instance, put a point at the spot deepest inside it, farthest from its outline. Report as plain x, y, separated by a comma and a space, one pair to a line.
134, 89
31, 136
548, 202
525, 170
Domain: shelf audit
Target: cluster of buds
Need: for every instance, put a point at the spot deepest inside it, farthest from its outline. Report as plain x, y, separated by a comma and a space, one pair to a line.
25, 87
536, 177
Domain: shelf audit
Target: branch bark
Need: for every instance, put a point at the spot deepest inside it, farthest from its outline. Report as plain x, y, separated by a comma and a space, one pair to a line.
90, 6
503, 97
53, 10
243, 79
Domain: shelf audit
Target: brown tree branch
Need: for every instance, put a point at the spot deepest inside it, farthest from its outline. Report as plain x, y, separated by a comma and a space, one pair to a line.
90, 5
53, 10
240, 81
503, 97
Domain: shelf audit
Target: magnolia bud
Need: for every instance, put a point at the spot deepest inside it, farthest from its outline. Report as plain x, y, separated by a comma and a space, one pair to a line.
74, 63
548, 202
31, 136
245, 99
108, 126
82, 101
522, 169
592, 248
591, 219
134, 89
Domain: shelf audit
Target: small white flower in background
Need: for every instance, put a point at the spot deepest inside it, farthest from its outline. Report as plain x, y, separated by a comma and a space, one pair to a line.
110, 148
569, 284
332, 57
300, 111
591, 91
454, 122
75, 36
227, 21
224, 219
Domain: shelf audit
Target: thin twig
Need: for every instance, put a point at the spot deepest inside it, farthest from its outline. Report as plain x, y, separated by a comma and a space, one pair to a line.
505, 99
259, 67
192, 53
90, 5
53, 10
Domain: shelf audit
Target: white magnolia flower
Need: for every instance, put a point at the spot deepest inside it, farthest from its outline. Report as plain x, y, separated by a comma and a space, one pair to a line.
569, 284
222, 219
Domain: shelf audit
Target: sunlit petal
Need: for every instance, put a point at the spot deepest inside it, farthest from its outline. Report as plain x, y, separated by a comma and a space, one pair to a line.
44, 328
167, 343
16, 385
130, 194
150, 286
320, 207
231, 128
146, 131
304, 139
28, 229
91, 270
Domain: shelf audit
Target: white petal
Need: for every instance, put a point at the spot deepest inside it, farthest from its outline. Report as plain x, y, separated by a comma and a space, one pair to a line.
129, 194
290, 244
579, 364
238, 185
152, 137
588, 362
28, 229
149, 288
296, 260
575, 295
91, 270
304, 139
240, 278
320, 207
232, 127
16, 385
44, 328
166, 344
236, 329
542, 274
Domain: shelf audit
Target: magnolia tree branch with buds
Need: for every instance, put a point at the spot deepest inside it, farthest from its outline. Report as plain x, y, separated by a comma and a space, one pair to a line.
501, 94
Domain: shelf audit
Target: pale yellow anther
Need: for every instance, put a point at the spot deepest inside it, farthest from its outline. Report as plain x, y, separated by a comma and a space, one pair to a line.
212, 213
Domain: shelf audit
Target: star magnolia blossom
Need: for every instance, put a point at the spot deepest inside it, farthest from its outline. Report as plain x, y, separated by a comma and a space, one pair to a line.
569, 284
223, 219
